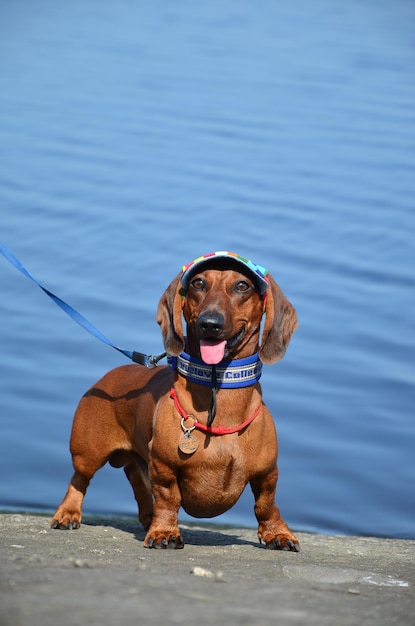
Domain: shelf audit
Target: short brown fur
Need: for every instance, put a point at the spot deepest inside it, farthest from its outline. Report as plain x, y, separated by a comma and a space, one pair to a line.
128, 418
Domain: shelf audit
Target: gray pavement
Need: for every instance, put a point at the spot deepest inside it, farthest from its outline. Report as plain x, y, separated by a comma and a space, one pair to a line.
102, 575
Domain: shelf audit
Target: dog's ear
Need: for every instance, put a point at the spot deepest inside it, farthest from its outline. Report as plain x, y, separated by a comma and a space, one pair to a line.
281, 321
169, 316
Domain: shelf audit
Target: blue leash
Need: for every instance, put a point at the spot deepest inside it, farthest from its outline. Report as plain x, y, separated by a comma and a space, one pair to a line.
138, 357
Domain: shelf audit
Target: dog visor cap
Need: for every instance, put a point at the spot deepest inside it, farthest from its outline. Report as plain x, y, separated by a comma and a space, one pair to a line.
257, 272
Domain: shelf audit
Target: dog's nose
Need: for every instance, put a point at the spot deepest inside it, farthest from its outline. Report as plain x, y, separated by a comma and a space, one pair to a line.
211, 323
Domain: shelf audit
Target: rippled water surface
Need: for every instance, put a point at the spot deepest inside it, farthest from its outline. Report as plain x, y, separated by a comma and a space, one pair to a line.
135, 137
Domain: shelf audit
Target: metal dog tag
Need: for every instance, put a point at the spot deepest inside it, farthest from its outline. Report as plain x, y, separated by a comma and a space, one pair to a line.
188, 443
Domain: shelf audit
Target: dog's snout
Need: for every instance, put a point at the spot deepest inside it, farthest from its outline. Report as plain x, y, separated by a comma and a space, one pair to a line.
211, 323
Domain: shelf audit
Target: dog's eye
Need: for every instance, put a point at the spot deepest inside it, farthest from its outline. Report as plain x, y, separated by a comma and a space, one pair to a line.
242, 286
198, 284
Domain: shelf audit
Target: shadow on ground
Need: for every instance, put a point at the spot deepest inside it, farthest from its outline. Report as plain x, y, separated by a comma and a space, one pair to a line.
193, 534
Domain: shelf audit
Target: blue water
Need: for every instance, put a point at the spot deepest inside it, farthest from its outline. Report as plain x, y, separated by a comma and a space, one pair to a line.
136, 136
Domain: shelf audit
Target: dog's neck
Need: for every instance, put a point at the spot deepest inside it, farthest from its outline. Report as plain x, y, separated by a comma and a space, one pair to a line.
230, 374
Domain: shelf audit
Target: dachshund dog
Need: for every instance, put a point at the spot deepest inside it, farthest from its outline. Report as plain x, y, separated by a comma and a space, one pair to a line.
193, 433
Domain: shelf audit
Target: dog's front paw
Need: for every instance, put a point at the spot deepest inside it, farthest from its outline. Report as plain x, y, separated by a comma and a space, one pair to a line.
283, 544
66, 521
278, 537
163, 540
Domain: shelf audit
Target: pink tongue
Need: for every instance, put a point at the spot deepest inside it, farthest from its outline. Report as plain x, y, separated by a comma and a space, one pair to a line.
212, 351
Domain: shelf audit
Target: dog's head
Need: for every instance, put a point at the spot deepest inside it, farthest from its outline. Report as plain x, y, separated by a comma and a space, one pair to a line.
223, 297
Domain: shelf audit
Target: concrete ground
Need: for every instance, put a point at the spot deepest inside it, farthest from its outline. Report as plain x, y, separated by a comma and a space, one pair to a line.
102, 575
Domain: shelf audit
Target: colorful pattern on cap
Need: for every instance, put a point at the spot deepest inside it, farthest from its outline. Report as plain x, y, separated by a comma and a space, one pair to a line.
259, 271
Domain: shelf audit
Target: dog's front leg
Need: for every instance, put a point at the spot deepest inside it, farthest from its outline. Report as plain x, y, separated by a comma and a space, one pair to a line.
164, 531
272, 529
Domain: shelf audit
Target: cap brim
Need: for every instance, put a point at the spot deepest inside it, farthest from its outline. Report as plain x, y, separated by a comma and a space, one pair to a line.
256, 272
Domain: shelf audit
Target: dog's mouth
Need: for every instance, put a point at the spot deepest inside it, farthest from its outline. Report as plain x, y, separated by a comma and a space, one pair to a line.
213, 351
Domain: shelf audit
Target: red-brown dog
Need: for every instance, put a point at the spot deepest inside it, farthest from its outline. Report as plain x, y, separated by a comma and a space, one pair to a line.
196, 432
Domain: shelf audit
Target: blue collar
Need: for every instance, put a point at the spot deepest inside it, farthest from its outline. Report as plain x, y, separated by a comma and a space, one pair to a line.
229, 374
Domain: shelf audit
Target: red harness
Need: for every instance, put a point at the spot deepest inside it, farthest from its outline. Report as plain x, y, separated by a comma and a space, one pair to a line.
218, 430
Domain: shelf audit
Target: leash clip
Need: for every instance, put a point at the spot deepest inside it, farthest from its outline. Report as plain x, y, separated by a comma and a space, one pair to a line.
148, 360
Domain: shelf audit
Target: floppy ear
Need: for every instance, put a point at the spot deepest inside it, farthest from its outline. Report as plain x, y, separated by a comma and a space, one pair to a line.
169, 316
281, 321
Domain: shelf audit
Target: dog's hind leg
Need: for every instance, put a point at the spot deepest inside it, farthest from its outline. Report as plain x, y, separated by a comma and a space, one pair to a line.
95, 438
68, 515
136, 472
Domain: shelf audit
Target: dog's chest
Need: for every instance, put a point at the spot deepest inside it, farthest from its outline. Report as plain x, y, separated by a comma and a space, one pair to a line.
214, 478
